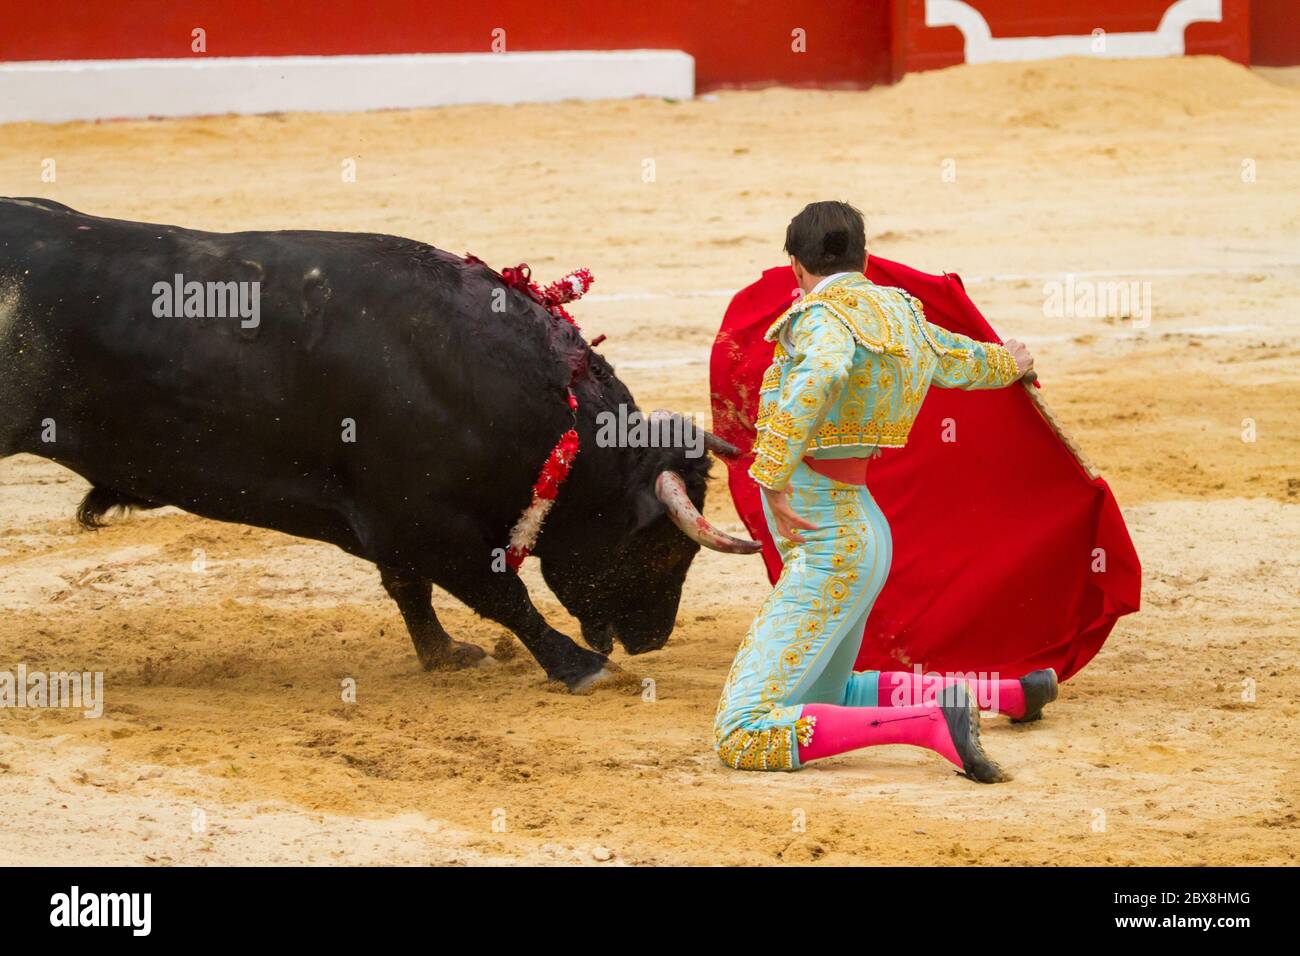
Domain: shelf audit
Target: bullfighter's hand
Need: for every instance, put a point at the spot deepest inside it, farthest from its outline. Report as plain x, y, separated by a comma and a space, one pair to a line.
1024, 361
788, 521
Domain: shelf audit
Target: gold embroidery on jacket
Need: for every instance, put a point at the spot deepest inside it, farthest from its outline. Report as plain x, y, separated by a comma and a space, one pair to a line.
861, 312
877, 402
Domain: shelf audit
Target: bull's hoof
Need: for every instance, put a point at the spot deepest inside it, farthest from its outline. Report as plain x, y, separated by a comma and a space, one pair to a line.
589, 671
609, 674
610, 677
455, 656
579, 670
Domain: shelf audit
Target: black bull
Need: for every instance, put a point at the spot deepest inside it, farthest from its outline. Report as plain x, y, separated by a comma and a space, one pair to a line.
386, 397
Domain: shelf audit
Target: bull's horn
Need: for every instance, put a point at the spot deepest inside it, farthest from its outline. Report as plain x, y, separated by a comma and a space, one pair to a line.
711, 441
719, 447
671, 490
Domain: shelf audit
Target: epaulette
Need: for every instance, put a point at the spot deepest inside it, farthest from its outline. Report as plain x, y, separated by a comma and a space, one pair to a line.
858, 308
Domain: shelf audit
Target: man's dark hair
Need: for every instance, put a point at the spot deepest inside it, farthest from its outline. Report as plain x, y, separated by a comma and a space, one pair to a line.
827, 237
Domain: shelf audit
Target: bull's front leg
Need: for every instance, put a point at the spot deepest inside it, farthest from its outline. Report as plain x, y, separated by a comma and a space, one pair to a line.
502, 597
434, 646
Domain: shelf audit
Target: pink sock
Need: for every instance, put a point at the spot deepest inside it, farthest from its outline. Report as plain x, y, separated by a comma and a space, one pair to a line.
907, 688
838, 730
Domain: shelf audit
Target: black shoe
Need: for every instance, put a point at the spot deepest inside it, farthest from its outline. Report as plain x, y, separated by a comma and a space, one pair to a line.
963, 716
1040, 690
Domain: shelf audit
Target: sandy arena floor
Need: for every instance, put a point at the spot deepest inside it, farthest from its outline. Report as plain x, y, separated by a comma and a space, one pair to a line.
224, 738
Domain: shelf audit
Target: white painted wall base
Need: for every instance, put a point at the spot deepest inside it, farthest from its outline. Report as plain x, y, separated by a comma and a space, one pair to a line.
56, 91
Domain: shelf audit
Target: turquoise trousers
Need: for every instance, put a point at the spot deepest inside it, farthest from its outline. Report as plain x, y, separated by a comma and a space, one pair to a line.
802, 645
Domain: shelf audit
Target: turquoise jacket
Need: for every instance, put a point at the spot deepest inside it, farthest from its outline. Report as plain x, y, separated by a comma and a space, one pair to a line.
852, 365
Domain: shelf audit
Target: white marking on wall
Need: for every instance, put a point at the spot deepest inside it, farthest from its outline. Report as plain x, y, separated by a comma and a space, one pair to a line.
57, 91
982, 47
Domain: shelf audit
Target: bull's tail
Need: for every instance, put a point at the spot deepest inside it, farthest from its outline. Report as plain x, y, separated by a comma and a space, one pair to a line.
99, 501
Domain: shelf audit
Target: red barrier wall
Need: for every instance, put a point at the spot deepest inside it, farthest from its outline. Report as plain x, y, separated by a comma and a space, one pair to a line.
737, 42
1275, 32
734, 42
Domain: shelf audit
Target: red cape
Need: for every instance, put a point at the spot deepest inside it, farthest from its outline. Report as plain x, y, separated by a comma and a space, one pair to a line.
996, 534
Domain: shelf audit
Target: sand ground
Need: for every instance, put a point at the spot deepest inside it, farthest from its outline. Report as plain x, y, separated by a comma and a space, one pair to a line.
225, 739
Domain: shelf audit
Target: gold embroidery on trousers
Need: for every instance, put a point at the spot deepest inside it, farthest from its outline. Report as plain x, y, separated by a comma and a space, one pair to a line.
770, 749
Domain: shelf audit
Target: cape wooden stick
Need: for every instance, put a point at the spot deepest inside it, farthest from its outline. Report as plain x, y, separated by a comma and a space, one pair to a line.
1036, 396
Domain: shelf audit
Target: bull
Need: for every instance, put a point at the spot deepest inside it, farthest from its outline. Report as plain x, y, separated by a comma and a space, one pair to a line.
450, 385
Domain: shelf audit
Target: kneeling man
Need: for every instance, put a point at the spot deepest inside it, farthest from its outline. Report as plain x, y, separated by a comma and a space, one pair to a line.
853, 362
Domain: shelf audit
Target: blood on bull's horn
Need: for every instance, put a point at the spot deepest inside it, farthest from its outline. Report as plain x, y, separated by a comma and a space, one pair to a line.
671, 490
711, 441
